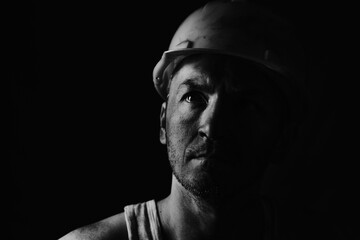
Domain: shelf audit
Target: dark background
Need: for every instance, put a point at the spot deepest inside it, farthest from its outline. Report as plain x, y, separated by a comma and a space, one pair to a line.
85, 115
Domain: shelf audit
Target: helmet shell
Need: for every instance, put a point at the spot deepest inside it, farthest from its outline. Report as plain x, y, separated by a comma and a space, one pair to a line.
241, 29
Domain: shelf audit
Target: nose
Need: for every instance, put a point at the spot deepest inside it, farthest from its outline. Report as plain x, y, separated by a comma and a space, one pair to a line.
215, 121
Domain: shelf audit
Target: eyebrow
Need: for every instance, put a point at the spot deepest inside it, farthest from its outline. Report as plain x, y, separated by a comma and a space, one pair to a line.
193, 83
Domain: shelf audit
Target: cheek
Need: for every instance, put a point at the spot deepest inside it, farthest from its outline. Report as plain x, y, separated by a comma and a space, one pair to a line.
178, 134
181, 125
182, 119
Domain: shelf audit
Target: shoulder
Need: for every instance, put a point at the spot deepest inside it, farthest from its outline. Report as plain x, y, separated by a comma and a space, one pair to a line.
113, 227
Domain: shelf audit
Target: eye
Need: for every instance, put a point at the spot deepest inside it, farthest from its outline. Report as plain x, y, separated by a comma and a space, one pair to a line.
195, 98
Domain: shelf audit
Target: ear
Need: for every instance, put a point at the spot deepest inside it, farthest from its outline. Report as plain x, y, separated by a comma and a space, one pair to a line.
163, 123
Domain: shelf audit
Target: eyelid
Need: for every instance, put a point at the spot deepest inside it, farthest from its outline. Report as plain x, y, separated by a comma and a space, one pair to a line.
195, 92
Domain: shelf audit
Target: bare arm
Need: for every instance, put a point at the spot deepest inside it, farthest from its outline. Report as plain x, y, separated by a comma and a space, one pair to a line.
110, 228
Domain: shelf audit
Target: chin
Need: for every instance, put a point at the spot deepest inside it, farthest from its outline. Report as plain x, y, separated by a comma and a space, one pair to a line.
212, 184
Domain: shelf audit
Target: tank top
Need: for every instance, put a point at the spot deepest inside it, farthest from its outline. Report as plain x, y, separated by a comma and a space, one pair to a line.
143, 223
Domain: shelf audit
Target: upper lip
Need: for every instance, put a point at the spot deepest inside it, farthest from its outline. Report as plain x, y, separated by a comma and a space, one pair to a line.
208, 153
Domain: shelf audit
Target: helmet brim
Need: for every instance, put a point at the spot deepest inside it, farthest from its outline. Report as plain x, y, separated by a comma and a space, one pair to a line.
168, 57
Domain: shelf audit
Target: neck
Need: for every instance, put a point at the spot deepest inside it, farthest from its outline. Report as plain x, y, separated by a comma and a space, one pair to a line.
184, 216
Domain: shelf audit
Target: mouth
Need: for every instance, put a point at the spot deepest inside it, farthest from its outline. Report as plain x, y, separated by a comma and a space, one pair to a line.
205, 155
212, 158
204, 159
201, 158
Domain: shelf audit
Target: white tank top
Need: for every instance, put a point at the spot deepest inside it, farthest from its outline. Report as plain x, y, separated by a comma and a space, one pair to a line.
142, 221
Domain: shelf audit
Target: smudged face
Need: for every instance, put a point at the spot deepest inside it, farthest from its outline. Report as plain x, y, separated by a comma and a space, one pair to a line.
221, 122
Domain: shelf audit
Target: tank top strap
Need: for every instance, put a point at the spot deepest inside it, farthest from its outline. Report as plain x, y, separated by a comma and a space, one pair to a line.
142, 221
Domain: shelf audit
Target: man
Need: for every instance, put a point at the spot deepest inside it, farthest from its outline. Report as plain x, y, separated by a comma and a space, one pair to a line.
233, 99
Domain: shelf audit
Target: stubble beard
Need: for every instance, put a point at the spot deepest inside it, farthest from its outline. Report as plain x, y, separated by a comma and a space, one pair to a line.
200, 188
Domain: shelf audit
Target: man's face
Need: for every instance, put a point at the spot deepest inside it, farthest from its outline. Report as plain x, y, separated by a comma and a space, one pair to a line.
222, 122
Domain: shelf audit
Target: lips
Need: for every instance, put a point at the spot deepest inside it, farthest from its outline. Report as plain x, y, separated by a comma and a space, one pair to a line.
210, 152
214, 156
200, 152
206, 155
206, 158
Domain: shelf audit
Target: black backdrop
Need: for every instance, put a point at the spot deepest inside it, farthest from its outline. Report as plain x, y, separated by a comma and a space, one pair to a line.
85, 115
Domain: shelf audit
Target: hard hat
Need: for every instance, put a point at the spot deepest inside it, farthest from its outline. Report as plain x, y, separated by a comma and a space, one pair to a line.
242, 29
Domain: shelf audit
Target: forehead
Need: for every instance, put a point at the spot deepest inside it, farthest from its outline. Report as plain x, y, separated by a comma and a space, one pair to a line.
215, 71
